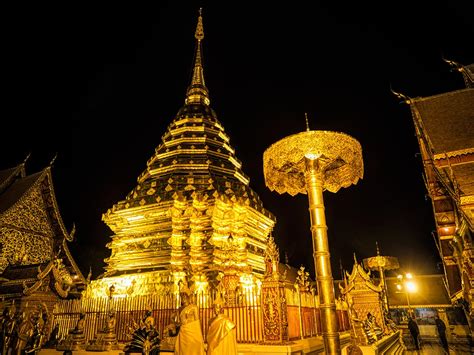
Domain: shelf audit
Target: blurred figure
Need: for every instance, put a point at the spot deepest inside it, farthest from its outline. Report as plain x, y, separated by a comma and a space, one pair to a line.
441, 327
414, 331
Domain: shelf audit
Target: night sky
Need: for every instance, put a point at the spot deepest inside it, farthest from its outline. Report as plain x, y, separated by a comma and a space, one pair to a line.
99, 85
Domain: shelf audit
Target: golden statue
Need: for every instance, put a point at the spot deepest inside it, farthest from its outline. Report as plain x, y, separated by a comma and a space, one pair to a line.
221, 335
190, 340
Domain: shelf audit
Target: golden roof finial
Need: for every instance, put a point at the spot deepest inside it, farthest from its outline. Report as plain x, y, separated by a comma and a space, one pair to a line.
307, 123
377, 246
197, 91
199, 34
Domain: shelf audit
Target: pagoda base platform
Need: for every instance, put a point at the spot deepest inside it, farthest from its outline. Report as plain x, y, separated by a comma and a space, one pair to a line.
304, 346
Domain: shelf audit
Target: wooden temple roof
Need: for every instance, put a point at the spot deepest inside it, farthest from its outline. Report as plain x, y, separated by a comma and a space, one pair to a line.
32, 232
448, 120
8, 176
16, 190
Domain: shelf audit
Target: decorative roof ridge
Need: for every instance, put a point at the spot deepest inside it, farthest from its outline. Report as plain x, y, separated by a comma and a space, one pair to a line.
34, 177
73, 263
197, 91
449, 93
18, 170
454, 153
68, 236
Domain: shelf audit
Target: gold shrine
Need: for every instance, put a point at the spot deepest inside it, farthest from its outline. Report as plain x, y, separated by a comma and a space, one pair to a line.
371, 327
192, 213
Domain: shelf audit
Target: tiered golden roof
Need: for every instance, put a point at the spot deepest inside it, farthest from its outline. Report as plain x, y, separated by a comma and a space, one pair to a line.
192, 195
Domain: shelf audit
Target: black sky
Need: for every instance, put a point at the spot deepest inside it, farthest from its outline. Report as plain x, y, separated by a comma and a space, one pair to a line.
99, 84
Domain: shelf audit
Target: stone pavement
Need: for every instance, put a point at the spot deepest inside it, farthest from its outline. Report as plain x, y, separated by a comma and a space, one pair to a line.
435, 348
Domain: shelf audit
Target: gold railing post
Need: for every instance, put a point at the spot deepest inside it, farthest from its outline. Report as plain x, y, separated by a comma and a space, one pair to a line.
322, 263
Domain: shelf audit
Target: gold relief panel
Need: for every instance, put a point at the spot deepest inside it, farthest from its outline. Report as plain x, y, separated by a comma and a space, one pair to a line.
24, 248
29, 213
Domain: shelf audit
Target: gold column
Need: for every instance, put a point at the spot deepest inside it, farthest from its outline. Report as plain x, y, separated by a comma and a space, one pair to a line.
322, 263
310, 162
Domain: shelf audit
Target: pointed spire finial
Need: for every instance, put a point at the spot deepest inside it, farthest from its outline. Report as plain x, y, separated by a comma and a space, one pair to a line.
26, 159
199, 34
307, 123
377, 246
53, 160
197, 91
355, 258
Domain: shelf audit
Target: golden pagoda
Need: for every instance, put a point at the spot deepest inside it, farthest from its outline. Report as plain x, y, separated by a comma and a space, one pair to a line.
192, 215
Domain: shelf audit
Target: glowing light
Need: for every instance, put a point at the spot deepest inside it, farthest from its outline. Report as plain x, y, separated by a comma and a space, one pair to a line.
135, 218
399, 287
399, 277
312, 156
409, 276
410, 286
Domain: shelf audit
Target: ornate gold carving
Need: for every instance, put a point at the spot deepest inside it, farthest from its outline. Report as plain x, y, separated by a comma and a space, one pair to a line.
24, 248
29, 213
284, 163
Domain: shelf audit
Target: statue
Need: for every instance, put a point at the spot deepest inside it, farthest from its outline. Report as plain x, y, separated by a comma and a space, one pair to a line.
53, 338
33, 344
22, 333
190, 340
145, 337
170, 333
371, 329
8, 325
221, 335
391, 326
106, 338
76, 339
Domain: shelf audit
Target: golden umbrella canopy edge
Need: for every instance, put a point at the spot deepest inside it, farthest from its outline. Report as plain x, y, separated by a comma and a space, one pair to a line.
284, 164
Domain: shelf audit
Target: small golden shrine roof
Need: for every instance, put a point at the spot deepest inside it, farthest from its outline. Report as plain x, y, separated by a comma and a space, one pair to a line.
359, 276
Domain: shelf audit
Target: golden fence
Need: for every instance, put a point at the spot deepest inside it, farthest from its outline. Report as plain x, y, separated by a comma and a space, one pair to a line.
245, 313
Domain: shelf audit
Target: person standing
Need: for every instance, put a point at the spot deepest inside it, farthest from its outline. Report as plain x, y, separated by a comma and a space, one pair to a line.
221, 336
441, 327
414, 331
189, 340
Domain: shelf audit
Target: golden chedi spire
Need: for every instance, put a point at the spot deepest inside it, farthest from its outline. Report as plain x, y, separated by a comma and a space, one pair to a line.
197, 90
192, 195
